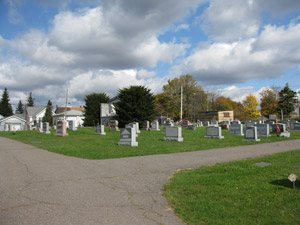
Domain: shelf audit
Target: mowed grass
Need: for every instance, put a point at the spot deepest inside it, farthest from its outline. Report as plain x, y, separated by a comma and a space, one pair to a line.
238, 192
84, 143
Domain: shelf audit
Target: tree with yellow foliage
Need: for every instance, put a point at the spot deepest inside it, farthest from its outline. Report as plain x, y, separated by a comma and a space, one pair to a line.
250, 108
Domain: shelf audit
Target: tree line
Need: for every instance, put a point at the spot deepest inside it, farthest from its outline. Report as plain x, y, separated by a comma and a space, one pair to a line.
137, 103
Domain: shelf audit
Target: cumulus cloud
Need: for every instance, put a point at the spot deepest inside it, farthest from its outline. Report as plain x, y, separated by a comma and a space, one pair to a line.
239, 94
267, 56
144, 74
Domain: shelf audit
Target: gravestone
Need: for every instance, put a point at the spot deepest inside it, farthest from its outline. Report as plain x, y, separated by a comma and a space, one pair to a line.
168, 124
294, 126
146, 125
191, 127
263, 130
137, 127
282, 127
251, 134
155, 126
214, 132
185, 123
199, 124
236, 129
206, 123
61, 128
128, 137
46, 128
249, 123
236, 122
113, 125
100, 130
173, 134
132, 125
215, 123
72, 125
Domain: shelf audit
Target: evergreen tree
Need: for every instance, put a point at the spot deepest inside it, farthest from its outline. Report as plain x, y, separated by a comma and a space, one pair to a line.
20, 108
5, 106
136, 104
92, 108
287, 100
48, 114
30, 100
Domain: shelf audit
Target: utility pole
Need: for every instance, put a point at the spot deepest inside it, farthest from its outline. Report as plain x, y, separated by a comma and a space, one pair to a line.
65, 112
181, 104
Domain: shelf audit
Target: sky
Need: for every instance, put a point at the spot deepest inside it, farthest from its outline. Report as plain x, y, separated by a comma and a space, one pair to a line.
232, 47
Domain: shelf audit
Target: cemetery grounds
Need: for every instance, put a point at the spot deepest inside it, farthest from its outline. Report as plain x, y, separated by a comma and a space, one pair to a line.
228, 193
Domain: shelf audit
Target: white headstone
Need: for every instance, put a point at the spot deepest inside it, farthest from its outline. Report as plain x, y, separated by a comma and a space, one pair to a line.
251, 134
128, 137
100, 130
236, 129
155, 126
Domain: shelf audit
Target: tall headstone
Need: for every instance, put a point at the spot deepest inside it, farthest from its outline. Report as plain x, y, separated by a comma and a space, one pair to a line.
46, 128
236, 129
263, 130
155, 126
199, 124
214, 132
173, 134
100, 130
61, 128
146, 125
128, 137
251, 134
113, 125
72, 125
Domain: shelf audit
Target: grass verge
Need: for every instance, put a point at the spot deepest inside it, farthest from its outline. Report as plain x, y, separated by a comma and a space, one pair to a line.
83, 143
238, 192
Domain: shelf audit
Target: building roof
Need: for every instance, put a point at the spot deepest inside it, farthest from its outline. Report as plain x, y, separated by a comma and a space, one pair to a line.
22, 116
33, 111
62, 109
13, 116
70, 113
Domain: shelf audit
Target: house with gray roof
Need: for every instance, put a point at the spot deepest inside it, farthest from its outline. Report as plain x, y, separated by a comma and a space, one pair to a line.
34, 114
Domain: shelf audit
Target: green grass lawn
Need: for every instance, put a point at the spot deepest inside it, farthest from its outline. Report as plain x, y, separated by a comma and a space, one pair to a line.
83, 143
238, 192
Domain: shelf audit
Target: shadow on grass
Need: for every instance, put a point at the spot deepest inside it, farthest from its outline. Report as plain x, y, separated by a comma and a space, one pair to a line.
285, 183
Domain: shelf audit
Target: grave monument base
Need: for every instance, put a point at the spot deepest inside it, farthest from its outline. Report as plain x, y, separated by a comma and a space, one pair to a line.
173, 139
215, 137
128, 143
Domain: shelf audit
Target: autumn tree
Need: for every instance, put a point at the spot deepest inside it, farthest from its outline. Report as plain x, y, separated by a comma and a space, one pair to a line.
287, 100
250, 108
268, 102
194, 98
5, 106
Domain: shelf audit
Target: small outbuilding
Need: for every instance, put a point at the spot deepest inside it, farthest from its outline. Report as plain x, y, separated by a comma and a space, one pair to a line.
12, 123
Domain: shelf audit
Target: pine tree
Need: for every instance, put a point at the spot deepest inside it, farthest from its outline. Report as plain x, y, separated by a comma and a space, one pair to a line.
20, 108
92, 108
287, 100
136, 105
30, 100
48, 114
5, 106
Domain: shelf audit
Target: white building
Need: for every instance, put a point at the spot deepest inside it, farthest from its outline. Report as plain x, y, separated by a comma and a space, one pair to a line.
12, 123
76, 116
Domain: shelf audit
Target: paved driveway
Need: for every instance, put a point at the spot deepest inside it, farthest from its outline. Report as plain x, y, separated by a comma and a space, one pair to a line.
40, 187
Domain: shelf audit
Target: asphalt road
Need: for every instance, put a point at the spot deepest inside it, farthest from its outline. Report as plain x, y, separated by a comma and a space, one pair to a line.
40, 187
